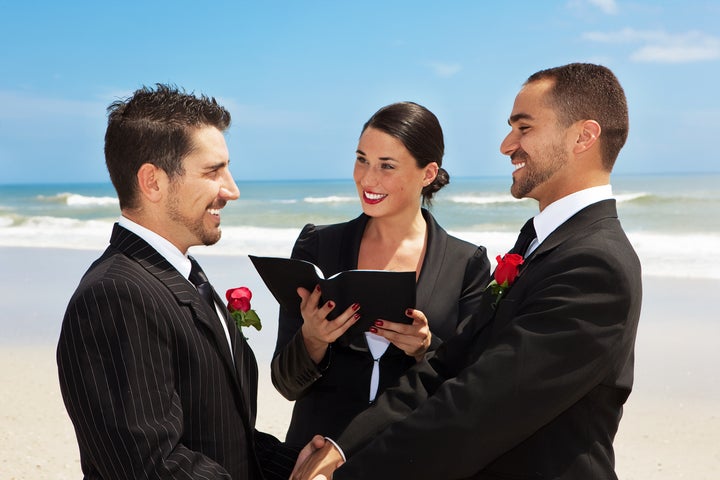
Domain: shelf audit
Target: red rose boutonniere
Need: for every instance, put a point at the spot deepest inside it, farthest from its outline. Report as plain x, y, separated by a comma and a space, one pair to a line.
505, 274
239, 306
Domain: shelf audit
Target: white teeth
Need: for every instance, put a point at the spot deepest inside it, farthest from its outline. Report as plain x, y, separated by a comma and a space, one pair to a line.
519, 165
214, 211
374, 196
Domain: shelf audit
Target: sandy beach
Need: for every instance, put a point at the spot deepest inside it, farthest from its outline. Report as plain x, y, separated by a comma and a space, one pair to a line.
670, 429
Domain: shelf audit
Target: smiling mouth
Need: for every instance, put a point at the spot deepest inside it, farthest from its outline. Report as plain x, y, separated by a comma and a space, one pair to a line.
518, 166
373, 198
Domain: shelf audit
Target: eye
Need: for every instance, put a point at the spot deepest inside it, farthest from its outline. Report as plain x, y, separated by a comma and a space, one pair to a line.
387, 166
361, 159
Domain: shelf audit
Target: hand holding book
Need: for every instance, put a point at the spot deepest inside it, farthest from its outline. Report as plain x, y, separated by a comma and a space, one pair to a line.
381, 294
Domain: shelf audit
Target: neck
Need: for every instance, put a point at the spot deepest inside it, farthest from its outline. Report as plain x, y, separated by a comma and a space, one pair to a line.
396, 229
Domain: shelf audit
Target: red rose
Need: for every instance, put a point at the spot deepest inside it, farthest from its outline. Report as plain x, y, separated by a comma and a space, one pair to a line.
239, 307
239, 299
507, 268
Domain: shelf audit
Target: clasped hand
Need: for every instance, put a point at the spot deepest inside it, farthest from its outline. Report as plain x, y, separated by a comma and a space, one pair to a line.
317, 461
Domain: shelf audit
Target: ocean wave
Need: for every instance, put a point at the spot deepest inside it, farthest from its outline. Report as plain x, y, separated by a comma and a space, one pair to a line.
677, 255
631, 197
77, 200
484, 200
330, 199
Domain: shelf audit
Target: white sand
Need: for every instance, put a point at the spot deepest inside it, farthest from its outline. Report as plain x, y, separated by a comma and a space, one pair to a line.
671, 427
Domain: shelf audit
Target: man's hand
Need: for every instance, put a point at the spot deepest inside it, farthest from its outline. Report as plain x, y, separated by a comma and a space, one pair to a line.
317, 461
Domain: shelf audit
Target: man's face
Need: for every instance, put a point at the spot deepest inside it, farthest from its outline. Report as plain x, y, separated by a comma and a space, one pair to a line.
196, 197
537, 146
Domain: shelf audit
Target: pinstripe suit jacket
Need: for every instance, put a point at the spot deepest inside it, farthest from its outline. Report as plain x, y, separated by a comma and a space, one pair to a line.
148, 379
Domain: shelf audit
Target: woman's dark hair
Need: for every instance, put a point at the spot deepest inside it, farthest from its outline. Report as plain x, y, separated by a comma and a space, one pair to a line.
419, 131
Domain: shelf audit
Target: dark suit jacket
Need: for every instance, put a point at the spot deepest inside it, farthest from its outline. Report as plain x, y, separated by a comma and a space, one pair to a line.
147, 376
533, 388
453, 276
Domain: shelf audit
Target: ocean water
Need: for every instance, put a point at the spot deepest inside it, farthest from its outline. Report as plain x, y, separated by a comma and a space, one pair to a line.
672, 220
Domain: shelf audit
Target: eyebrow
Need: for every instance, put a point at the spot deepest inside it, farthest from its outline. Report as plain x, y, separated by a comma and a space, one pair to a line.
519, 116
384, 159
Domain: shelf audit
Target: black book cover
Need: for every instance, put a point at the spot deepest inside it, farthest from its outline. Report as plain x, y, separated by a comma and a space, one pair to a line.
381, 294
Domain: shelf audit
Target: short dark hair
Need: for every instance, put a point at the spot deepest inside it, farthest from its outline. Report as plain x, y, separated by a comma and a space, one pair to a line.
584, 91
419, 131
154, 126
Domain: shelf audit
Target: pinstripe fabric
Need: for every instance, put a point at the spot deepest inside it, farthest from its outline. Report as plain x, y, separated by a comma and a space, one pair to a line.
147, 377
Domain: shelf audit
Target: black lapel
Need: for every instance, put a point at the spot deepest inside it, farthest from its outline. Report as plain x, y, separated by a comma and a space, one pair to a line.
432, 264
186, 294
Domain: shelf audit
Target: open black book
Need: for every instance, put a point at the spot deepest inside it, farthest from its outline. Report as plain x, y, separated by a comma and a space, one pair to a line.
380, 293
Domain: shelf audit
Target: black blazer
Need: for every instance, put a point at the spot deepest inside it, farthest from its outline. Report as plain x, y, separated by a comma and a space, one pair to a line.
453, 276
533, 388
147, 376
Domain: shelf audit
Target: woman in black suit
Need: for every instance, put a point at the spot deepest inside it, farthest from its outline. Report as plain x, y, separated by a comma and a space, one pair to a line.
331, 375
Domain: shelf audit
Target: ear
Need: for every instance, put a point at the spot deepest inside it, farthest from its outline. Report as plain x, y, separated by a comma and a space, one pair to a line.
431, 171
152, 182
589, 135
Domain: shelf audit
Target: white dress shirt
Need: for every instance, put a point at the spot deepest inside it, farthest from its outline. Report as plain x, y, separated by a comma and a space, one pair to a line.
560, 210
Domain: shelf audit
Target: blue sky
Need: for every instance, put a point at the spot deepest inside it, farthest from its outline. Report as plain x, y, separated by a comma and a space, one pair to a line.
300, 78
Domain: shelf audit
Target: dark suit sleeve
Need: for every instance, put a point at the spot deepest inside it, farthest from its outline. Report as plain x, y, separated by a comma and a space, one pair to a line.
292, 369
116, 376
486, 391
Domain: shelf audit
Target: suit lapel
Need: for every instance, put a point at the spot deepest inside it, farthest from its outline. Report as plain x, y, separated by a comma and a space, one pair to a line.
185, 293
432, 264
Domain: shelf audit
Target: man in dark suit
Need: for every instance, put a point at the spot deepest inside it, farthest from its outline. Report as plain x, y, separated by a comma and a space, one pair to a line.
156, 378
533, 384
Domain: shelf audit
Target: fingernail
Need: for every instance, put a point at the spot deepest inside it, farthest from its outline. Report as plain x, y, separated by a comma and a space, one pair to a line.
331, 304
373, 330
379, 323
408, 312
356, 316
355, 306
317, 288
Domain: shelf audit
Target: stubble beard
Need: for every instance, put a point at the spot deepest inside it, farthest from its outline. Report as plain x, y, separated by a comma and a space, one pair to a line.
534, 176
196, 227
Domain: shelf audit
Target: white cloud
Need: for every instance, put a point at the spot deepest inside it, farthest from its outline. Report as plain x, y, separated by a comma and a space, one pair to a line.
661, 47
607, 6
444, 70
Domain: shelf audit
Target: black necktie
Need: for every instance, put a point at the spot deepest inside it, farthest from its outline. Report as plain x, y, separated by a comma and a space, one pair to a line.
527, 235
200, 280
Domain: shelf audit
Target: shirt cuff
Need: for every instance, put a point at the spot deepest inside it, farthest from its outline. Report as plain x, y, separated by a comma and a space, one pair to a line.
342, 454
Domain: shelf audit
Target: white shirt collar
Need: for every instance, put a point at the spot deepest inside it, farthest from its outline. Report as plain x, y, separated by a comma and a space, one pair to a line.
560, 210
171, 253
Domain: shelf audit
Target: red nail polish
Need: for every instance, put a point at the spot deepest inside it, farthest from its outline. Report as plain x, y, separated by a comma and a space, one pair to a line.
317, 288
408, 312
356, 316
331, 304
355, 306
379, 323
373, 330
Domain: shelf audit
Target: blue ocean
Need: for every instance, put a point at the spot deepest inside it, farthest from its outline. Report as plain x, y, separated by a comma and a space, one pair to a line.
672, 220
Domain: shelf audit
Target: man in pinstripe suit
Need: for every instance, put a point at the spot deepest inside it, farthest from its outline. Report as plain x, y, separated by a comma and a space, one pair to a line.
158, 382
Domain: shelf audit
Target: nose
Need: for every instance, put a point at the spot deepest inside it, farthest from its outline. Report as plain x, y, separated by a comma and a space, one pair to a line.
229, 189
509, 144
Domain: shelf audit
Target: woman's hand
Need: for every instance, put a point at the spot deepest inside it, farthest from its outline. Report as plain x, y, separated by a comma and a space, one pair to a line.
319, 332
413, 339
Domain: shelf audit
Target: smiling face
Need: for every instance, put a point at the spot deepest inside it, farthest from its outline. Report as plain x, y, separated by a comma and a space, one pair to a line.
195, 198
538, 146
388, 179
